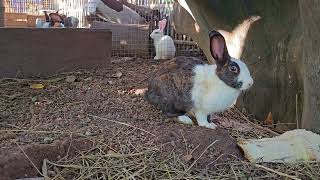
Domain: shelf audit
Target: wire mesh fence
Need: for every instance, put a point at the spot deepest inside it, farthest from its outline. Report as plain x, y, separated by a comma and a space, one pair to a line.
131, 23
27, 6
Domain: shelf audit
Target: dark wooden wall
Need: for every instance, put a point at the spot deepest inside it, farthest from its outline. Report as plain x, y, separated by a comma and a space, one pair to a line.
28, 52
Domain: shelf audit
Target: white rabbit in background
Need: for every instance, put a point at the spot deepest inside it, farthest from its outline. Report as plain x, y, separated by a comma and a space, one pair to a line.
164, 44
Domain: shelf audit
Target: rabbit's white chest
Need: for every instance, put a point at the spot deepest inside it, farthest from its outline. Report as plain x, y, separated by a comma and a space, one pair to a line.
209, 93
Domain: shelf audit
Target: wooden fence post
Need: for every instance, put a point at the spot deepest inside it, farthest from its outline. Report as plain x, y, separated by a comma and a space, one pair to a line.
2, 13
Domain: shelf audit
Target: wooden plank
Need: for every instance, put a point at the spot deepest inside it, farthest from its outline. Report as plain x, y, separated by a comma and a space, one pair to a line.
31, 20
2, 10
15, 19
29, 52
21, 20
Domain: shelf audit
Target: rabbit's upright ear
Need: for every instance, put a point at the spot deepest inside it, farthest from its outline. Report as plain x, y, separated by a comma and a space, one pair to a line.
218, 48
55, 17
47, 16
162, 24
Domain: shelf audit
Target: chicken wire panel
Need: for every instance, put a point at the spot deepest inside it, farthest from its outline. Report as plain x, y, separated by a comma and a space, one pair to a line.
130, 40
184, 45
29, 6
131, 26
164, 6
76, 8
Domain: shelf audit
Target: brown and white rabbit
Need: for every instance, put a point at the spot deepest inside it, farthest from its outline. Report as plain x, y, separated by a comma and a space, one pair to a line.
53, 20
186, 85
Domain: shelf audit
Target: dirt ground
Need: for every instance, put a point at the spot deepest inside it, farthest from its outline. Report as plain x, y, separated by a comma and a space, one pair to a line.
97, 125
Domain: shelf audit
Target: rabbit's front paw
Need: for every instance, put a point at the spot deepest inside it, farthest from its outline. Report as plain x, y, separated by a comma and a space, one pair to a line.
185, 119
209, 125
202, 119
156, 58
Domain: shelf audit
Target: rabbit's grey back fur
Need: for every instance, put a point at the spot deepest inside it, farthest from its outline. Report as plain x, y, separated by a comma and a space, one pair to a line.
170, 88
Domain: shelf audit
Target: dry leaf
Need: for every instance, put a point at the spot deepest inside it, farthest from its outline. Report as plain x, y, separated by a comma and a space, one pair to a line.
36, 86
118, 74
34, 99
187, 157
71, 79
234, 124
269, 119
140, 91
88, 79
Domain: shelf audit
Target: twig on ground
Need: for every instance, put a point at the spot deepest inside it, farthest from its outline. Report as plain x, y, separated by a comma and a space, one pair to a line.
122, 123
62, 165
20, 80
31, 80
277, 172
34, 131
31, 161
185, 142
234, 173
256, 125
45, 169
200, 155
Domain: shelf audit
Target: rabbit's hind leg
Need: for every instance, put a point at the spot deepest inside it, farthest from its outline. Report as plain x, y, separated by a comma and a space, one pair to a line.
185, 119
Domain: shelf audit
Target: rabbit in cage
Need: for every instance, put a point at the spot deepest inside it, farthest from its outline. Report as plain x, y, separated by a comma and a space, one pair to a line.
164, 44
56, 20
71, 22
186, 87
53, 20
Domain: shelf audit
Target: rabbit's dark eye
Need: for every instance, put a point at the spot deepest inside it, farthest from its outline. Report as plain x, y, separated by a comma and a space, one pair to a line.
233, 68
156, 33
